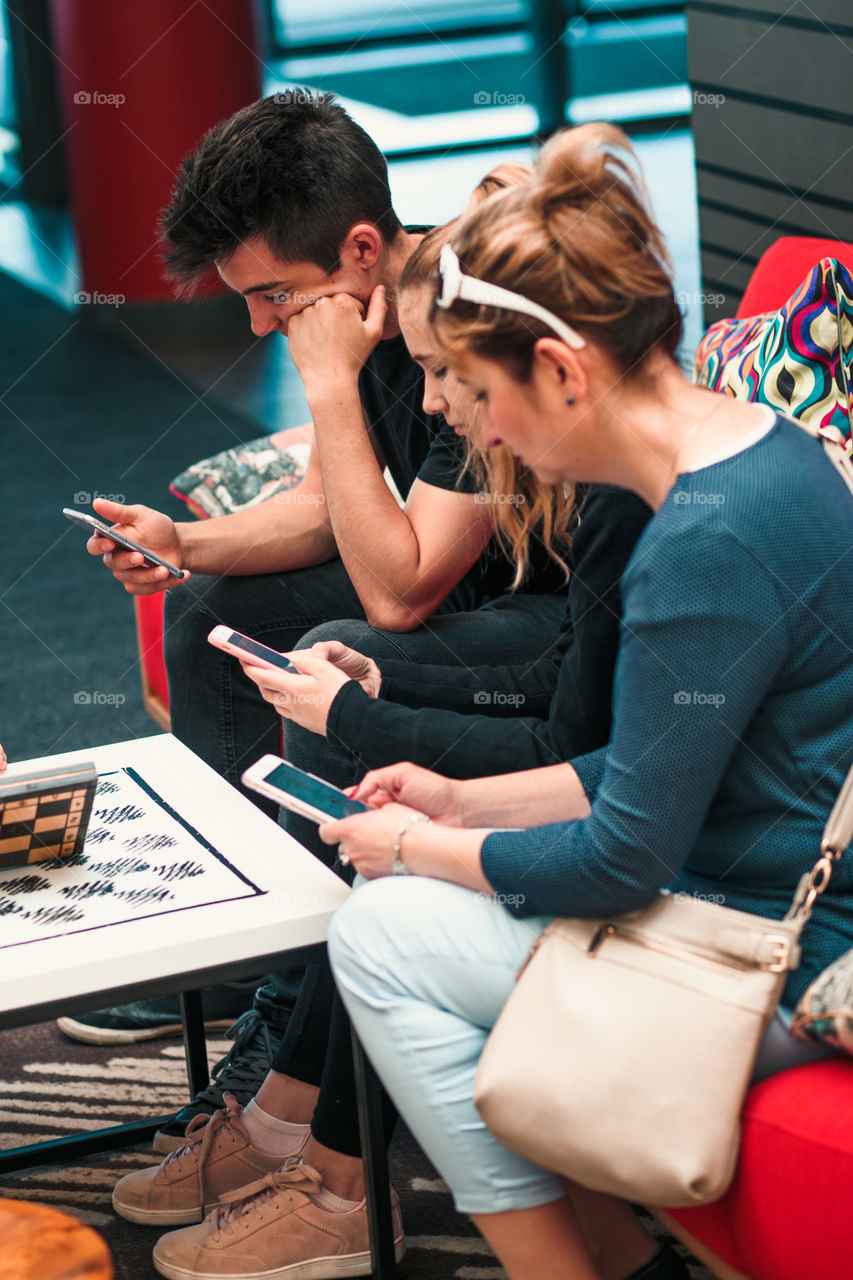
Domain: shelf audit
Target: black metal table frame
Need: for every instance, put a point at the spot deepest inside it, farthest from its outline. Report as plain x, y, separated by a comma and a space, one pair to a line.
187, 985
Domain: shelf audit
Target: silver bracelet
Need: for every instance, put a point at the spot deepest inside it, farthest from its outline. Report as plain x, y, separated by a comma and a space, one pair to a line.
398, 866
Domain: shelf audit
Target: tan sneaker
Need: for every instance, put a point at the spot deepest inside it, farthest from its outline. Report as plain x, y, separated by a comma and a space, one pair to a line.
217, 1158
275, 1230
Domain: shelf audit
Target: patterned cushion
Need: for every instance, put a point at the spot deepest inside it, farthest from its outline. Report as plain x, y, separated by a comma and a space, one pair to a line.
246, 475
797, 359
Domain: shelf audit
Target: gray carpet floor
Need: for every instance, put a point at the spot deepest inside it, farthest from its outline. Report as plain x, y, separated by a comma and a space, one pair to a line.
52, 1087
82, 412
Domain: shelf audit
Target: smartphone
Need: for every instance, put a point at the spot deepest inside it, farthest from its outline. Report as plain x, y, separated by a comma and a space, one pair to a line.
93, 525
235, 642
302, 792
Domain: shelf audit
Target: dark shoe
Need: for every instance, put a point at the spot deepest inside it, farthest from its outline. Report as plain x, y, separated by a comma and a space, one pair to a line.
665, 1265
241, 1072
149, 1019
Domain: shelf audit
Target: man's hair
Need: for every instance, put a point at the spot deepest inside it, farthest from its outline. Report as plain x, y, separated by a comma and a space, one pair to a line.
293, 169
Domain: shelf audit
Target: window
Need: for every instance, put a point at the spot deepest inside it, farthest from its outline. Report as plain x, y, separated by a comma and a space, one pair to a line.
8, 120
422, 74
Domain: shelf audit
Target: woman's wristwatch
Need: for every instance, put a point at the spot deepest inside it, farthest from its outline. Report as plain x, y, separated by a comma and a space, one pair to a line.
398, 866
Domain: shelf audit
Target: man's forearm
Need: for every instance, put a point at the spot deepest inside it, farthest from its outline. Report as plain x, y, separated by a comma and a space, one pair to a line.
529, 799
374, 537
290, 531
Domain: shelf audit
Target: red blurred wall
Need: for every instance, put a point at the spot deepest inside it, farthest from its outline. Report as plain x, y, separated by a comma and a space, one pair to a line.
139, 83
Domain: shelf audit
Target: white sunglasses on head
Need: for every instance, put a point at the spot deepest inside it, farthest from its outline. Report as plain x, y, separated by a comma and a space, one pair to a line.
452, 284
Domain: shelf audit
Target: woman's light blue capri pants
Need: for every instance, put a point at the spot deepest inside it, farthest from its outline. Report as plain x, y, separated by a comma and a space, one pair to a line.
424, 968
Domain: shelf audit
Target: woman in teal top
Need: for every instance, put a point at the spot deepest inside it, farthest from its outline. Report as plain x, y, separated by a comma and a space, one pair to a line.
732, 705
733, 699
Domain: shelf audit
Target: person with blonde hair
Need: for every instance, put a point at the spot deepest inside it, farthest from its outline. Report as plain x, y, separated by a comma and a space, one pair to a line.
301, 1126
732, 705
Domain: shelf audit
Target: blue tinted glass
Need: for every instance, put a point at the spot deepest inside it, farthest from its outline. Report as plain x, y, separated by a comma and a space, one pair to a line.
333, 20
7, 104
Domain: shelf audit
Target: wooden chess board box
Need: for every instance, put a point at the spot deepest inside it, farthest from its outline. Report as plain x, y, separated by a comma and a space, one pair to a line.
45, 814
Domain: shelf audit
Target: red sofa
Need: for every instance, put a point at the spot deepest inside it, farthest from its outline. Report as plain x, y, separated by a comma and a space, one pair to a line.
152, 667
785, 1216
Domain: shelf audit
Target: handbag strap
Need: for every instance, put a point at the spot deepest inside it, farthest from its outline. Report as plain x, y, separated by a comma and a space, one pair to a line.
837, 835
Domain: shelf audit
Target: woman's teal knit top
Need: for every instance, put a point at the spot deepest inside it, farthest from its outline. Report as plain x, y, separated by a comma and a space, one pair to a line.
733, 707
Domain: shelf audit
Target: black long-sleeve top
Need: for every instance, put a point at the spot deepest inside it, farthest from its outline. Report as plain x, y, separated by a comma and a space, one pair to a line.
438, 716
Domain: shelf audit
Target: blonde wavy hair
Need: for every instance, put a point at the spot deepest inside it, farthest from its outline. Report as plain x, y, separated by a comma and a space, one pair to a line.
577, 237
528, 511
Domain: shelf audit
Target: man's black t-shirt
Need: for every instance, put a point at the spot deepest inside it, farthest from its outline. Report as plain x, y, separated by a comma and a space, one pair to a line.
413, 444
419, 445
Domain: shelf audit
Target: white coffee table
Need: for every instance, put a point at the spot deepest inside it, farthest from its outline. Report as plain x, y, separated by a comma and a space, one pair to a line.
179, 951
161, 953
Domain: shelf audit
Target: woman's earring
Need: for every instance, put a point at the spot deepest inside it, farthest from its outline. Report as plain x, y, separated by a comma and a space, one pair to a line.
570, 399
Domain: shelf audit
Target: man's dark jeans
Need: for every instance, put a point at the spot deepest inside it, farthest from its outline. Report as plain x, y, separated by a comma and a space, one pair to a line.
221, 716
215, 710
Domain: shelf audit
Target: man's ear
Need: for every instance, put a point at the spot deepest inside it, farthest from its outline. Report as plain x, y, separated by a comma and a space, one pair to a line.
560, 368
362, 247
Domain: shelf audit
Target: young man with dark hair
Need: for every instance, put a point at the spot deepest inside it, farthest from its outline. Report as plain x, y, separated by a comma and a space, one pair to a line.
289, 201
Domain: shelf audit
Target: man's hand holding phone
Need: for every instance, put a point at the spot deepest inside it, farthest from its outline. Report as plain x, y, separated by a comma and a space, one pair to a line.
152, 530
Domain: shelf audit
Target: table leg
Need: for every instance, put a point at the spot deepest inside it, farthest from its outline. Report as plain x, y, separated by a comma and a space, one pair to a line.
193, 1019
66, 1150
371, 1128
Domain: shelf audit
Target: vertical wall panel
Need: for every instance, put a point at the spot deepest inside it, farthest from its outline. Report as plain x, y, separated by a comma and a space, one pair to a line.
773, 128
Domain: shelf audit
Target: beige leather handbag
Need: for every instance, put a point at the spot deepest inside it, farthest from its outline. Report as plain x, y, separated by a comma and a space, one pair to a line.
623, 1055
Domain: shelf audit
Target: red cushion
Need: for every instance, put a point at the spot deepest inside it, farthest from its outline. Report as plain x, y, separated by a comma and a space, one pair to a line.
784, 266
149, 623
787, 1214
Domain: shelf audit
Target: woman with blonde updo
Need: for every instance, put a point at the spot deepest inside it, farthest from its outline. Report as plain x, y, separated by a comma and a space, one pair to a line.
732, 705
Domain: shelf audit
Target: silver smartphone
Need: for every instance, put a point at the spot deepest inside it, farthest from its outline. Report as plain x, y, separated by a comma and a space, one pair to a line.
93, 525
301, 792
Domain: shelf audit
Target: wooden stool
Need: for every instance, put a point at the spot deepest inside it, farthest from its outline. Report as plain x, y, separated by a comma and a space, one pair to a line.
44, 1244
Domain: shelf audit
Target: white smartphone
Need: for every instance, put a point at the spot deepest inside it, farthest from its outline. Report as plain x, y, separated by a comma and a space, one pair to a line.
93, 525
236, 643
302, 792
